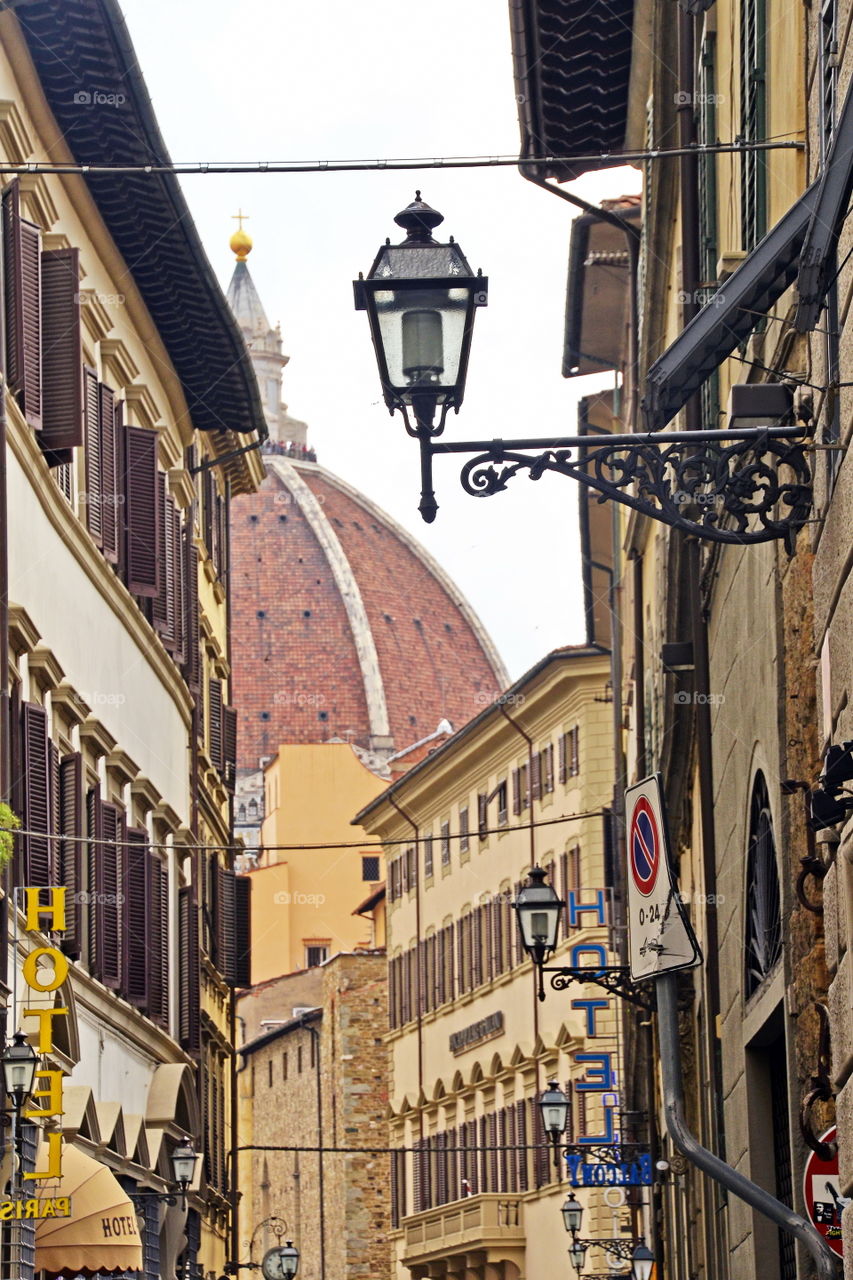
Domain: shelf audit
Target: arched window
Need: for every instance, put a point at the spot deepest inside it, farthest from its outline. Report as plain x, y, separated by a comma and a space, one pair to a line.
763, 903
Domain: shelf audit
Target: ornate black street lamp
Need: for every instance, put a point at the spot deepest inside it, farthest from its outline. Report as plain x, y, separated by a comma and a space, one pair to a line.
743, 485
538, 911
642, 1262
183, 1160
420, 297
577, 1254
19, 1062
572, 1212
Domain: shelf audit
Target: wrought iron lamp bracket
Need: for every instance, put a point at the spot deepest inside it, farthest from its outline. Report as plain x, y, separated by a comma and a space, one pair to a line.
738, 487
615, 979
139, 1198
619, 1248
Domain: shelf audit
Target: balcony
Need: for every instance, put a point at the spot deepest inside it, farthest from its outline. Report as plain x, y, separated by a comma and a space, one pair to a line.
480, 1235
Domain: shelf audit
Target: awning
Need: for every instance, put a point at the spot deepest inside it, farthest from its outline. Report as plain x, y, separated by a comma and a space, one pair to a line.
102, 1234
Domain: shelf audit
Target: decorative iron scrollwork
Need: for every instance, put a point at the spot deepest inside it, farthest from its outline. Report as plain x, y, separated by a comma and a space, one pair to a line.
747, 488
821, 1090
615, 979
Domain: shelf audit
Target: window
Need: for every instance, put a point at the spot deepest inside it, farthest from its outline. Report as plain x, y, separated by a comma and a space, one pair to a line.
370, 868
546, 768
753, 120
464, 842
501, 793
269, 1066
445, 844
284, 1066
428, 857
316, 953
574, 751
299, 1059
763, 900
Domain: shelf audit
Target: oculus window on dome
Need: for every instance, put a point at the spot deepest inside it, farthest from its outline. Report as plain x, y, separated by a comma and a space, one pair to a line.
737, 486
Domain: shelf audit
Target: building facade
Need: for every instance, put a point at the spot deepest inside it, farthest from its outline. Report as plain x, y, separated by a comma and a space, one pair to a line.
527, 782
117, 733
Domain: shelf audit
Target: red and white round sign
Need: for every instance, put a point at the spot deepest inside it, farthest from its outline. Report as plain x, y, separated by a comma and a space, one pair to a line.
644, 847
822, 1194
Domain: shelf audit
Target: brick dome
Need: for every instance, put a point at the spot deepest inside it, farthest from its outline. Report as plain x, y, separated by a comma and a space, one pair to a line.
343, 625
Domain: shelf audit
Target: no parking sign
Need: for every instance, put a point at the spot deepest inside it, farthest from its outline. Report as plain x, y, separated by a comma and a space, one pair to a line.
660, 937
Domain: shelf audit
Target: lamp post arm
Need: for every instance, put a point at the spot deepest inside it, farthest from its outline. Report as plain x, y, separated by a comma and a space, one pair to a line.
826, 1264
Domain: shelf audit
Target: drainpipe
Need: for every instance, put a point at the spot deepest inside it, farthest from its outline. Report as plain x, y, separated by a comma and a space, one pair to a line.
826, 1264
315, 1034
5, 709
532, 829
418, 1013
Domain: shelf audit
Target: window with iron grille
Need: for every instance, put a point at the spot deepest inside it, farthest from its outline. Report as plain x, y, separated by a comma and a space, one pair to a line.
501, 794
753, 120
763, 899
464, 842
316, 954
370, 868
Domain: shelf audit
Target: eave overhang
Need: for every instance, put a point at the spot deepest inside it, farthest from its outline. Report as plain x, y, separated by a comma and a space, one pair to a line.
572, 68
83, 47
597, 292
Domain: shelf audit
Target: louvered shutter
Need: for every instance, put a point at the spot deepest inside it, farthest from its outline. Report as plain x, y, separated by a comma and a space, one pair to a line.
548, 768
93, 492
494, 1154
451, 1139
510, 1139
498, 965
62, 355
141, 489
226, 922
516, 792
22, 268
563, 773
392, 994
94, 831
215, 723
575, 761
36, 854
137, 920
243, 931
451, 967
460, 957
542, 1154
398, 1186
192, 660
482, 816
109, 475
570, 1114
54, 798
158, 949
162, 607
229, 746
522, 1162
108, 894
482, 1142
417, 1175
536, 775
441, 1158
188, 967
70, 860
179, 578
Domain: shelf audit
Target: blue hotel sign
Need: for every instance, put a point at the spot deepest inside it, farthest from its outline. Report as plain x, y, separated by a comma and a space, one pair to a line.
636, 1172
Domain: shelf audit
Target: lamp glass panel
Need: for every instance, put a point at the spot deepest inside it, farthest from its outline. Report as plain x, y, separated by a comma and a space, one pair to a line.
422, 332
183, 1164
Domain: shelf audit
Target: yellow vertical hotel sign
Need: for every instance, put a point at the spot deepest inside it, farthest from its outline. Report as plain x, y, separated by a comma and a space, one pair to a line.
44, 917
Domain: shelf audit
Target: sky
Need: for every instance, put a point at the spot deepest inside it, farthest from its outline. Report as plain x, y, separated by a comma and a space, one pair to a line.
290, 80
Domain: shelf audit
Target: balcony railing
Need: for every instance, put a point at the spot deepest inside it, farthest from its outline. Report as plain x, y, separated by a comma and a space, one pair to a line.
483, 1222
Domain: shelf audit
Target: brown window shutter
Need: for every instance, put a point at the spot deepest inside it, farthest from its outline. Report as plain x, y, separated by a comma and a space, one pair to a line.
95, 832
179, 578
522, 1162
108, 858
542, 1154
548, 768
392, 994
137, 922
70, 861
109, 475
564, 758
189, 986
226, 922
397, 1187
22, 264
570, 1114
92, 423
243, 931
498, 935
141, 490
516, 792
482, 816
575, 763
162, 606
536, 775
492, 1143
417, 1175
192, 659
62, 355
158, 949
460, 957
36, 859
229, 746
215, 723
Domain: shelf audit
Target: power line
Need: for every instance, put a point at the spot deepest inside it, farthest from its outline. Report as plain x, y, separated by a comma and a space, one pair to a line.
394, 164
292, 848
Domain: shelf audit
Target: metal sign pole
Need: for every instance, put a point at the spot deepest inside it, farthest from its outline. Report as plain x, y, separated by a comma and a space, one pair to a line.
826, 1263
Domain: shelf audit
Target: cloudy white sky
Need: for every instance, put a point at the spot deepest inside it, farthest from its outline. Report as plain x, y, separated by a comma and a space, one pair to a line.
295, 79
